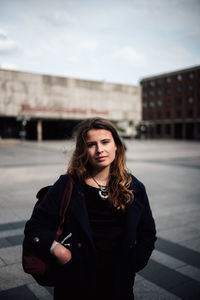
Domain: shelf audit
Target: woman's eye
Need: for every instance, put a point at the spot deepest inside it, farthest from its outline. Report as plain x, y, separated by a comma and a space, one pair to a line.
90, 145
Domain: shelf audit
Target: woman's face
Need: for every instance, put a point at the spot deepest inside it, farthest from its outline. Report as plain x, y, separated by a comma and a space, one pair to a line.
101, 148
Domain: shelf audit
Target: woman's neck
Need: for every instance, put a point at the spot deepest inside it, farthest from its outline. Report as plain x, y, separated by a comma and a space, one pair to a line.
101, 176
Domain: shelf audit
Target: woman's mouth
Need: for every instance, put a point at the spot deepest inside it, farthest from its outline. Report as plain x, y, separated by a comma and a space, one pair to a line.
101, 158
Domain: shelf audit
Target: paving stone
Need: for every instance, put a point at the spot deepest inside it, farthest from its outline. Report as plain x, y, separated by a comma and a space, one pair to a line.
4, 243
12, 225
40, 292
180, 234
13, 276
12, 232
6, 226
18, 293
178, 251
6, 214
16, 239
11, 255
2, 263
167, 260
168, 279
145, 290
188, 290
190, 271
171, 221
193, 244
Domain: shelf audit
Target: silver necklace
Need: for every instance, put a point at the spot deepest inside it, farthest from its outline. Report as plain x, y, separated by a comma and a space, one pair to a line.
103, 190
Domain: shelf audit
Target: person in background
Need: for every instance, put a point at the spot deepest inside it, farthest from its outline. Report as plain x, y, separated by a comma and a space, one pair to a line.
109, 231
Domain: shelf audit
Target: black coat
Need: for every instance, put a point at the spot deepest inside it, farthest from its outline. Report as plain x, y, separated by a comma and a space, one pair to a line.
77, 277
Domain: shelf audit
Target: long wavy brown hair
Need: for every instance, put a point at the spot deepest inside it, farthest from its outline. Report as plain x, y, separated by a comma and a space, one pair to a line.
119, 179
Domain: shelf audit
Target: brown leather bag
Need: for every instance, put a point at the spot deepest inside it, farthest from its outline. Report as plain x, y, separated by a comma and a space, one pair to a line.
41, 267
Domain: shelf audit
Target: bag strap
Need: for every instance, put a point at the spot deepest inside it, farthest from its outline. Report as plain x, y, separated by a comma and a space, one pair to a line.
64, 204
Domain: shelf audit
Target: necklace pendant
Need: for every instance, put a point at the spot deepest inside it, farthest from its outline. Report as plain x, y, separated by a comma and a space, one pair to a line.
103, 194
103, 190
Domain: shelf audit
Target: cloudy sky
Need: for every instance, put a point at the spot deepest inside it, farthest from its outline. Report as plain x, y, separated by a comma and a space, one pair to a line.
119, 41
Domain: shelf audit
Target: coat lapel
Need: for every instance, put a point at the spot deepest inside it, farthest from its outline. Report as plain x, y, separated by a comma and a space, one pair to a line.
133, 214
79, 210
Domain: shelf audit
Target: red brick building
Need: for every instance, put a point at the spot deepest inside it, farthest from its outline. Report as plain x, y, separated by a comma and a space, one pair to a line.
171, 105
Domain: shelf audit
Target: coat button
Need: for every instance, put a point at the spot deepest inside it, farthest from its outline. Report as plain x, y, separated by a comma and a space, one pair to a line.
79, 245
36, 239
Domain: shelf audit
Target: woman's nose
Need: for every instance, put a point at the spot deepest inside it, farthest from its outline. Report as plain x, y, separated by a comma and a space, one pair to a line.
99, 148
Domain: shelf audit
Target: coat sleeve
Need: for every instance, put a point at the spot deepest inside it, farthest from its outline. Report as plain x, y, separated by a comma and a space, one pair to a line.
42, 227
146, 234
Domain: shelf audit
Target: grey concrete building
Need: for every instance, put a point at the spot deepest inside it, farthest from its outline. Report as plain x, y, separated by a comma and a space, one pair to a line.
41, 106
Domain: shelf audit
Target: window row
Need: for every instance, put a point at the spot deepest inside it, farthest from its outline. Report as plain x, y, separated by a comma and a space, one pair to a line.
169, 79
190, 100
166, 91
167, 115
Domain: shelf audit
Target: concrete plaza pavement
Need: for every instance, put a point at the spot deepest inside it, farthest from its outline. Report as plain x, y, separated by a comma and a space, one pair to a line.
170, 171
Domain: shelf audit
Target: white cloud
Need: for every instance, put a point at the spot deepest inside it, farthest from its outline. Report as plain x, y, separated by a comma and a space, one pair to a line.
161, 60
89, 43
84, 42
59, 18
6, 44
8, 66
3, 34
74, 59
130, 55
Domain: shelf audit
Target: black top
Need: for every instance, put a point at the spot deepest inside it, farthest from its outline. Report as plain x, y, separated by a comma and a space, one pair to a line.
106, 221
107, 225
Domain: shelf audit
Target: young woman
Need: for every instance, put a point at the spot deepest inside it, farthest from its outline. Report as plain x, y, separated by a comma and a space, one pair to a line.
109, 230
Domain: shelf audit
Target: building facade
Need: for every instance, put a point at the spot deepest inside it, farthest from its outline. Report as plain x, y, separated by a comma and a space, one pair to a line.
49, 107
171, 105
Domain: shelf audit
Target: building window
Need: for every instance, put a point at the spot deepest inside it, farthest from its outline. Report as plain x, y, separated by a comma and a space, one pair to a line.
159, 92
167, 114
178, 113
167, 129
159, 114
179, 77
145, 84
144, 116
144, 95
169, 80
152, 83
160, 81
190, 87
178, 101
190, 113
144, 104
190, 100
179, 89
159, 103
168, 102
152, 104
191, 75
169, 91
158, 129
152, 93
150, 117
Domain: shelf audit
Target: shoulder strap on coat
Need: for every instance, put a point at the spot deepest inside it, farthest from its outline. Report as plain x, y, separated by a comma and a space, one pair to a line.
65, 203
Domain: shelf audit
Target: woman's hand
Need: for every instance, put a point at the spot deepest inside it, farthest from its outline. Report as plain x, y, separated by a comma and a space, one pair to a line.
62, 254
